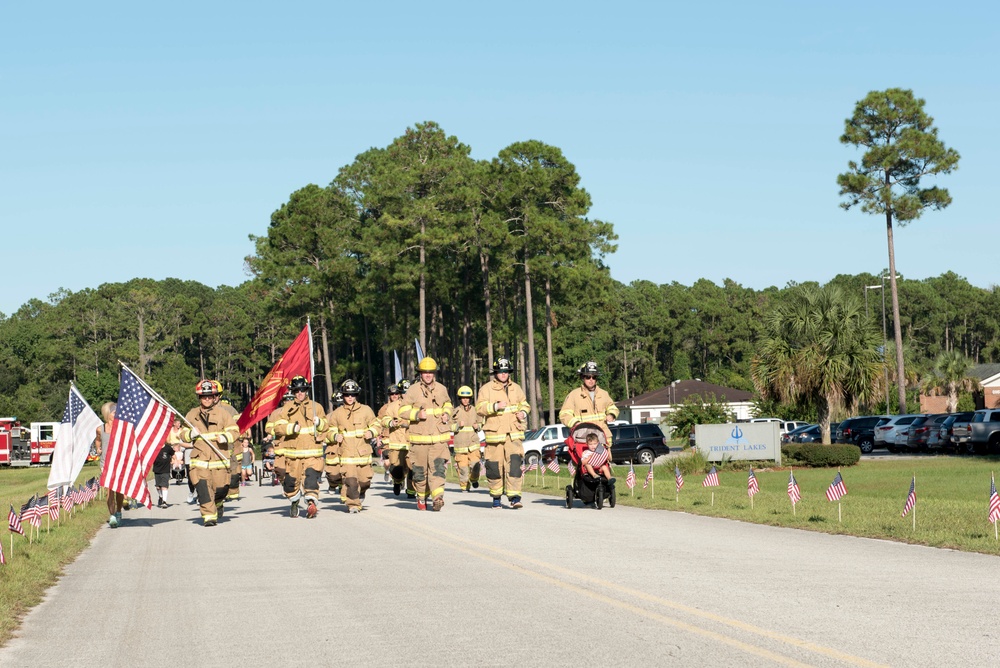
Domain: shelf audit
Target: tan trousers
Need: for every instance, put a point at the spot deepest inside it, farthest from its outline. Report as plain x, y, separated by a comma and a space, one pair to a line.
356, 481
428, 462
503, 468
334, 472
211, 486
279, 468
467, 464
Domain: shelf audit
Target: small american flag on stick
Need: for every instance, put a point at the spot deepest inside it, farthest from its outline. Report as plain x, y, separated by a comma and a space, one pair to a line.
836, 489
630, 478
793, 489
649, 477
712, 479
752, 487
14, 522
911, 498
599, 458
678, 478
994, 501
54, 504
572, 468
553, 465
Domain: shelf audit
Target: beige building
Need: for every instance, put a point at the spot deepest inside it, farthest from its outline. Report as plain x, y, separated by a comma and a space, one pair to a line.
656, 405
987, 395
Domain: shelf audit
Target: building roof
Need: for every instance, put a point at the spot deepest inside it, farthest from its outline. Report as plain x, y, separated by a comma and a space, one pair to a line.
984, 371
681, 390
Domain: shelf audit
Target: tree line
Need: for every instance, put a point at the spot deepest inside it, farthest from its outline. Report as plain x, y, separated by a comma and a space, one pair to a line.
475, 259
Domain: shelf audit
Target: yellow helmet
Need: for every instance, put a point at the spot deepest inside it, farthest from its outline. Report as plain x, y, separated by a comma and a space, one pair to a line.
427, 364
465, 391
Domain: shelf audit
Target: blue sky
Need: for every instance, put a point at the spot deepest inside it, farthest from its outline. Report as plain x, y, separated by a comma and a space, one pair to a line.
141, 139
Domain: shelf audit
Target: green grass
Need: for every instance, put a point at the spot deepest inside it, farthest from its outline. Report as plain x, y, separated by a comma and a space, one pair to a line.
34, 568
951, 511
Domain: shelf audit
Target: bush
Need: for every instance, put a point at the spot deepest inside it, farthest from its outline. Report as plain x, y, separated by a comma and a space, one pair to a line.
819, 455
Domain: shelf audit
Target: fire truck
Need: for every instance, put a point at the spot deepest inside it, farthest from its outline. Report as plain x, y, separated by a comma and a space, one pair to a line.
26, 446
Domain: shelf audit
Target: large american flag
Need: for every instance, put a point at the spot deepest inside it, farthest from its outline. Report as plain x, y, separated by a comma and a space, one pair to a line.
994, 502
598, 458
752, 487
630, 478
911, 498
836, 489
14, 522
793, 489
712, 479
139, 430
678, 478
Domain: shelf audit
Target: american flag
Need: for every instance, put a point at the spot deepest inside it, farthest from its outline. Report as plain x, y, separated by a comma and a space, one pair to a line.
77, 496
14, 522
572, 468
911, 498
994, 502
678, 478
27, 510
793, 489
836, 489
533, 466
553, 465
712, 479
54, 504
67, 502
598, 458
752, 487
140, 427
649, 477
36, 511
630, 478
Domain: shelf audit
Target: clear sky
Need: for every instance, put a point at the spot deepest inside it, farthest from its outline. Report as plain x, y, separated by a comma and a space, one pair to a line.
150, 139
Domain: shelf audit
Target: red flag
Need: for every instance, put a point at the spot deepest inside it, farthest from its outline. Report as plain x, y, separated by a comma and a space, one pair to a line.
297, 361
140, 428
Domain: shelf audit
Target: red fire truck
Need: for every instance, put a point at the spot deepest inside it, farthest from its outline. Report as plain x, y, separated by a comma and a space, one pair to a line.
26, 446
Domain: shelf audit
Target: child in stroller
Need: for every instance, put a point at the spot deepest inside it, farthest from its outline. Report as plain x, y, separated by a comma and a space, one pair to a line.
177, 469
267, 467
592, 483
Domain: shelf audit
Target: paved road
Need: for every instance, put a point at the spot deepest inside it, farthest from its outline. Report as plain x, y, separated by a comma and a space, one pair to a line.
543, 586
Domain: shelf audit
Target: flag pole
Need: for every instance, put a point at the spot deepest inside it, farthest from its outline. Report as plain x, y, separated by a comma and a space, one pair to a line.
312, 365
840, 519
176, 412
713, 497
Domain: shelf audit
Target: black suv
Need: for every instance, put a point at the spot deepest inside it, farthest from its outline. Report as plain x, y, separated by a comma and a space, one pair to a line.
860, 431
639, 443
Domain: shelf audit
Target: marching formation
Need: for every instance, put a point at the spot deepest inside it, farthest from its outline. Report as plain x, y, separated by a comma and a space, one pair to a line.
417, 434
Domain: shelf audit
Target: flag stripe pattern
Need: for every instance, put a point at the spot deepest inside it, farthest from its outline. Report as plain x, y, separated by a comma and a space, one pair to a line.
630, 478
678, 477
139, 430
793, 488
712, 479
14, 522
911, 498
54, 504
649, 477
994, 501
553, 465
836, 489
752, 487
599, 457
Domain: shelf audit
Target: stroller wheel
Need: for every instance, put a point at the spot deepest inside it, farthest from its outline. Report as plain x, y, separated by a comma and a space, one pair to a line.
599, 496
569, 496
613, 496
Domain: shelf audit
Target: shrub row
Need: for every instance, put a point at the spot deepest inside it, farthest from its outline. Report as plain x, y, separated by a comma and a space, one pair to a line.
817, 454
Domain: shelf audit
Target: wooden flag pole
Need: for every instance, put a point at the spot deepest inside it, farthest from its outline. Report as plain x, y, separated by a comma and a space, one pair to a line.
713, 497
840, 519
751, 503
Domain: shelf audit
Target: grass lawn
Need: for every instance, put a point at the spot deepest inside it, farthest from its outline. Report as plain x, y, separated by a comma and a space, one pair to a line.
951, 511
34, 568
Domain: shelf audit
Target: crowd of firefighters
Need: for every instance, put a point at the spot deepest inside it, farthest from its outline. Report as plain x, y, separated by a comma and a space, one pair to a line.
411, 431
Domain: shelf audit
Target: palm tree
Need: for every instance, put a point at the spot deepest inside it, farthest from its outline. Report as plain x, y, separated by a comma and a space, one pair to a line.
819, 348
951, 373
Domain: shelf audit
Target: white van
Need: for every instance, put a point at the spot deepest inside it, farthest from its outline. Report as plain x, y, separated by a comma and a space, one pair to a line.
538, 439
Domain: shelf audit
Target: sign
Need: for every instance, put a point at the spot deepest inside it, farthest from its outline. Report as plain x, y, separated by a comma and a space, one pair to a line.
744, 440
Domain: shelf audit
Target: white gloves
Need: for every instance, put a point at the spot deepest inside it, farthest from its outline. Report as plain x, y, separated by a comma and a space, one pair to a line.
194, 433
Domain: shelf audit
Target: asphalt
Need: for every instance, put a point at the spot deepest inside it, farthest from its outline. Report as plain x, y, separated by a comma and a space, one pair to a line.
541, 586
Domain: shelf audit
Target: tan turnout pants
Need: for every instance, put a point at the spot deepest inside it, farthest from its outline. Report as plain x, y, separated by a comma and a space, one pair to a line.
503, 468
211, 486
428, 462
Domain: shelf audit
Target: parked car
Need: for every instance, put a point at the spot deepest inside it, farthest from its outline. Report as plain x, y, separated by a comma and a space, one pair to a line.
638, 443
785, 426
535, 441
810, 434
954, 431
886, 434
921, 429
984, 431
789, 437
860, 431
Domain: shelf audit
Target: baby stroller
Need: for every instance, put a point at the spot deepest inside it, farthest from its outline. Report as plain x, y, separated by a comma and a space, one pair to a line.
266, 469
177, 470
589, 490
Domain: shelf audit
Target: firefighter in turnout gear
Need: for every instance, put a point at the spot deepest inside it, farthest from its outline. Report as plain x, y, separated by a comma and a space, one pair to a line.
502, 404
212, 433
353, 427
302, 428
466, 424
394, 442
275, 440
589, 403
427, 407
237, 454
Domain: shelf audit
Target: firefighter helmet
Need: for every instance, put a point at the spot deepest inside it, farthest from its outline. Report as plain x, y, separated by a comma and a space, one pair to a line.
298, 384
502, 365
338, 399
404, 385
465, 391
350, 388
427, 364
288, 396
393, 389
589, 369
208, 388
